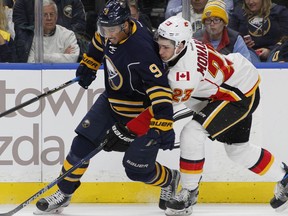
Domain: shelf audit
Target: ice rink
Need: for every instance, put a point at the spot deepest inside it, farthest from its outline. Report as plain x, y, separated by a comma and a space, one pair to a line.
153, 210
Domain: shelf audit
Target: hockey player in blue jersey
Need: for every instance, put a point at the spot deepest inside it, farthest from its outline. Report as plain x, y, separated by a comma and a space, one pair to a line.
135, 80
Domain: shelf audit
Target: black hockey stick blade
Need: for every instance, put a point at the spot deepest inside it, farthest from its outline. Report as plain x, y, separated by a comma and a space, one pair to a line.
54, 182
45, 94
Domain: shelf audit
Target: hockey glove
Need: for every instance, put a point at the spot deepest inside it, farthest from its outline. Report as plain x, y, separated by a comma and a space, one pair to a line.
118, 138
87, 71
161, 131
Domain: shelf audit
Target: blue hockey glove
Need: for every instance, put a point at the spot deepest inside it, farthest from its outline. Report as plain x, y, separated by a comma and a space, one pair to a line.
161, 130
87, 75
165, 139
87, 71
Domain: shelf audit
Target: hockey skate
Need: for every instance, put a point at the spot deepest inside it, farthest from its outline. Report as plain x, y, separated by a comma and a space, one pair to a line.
169, 191
53, 204
181, 204
279, 201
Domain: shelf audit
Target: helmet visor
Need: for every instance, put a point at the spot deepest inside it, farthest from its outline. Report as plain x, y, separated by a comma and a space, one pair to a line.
108, 31
158, 37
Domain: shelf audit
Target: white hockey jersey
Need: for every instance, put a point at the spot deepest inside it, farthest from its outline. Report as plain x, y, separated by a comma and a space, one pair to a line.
202, 72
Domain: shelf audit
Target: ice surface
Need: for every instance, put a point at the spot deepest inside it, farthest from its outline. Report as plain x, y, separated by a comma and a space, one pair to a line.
152, 209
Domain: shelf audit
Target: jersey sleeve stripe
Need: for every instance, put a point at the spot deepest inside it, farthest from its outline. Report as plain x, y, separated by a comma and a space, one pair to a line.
131, 103
160, 94
97, 44
158, 88
161, 101
118, 108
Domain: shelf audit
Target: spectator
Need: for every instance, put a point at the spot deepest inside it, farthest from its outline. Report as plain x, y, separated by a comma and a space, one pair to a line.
280, 52
71, 15
196, 10
281, 2
216, 32
231, 4
24, 28
7, 49
91, 20
8, 5
60, 44
261, 23
89, 5
136, 14
99, 5
92, 9
155, 10
173, 7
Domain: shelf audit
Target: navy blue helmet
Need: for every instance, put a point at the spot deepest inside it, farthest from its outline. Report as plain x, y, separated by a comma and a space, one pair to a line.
115, 12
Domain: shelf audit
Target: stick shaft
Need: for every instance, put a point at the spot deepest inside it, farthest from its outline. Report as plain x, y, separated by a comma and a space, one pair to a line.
54, 182
45, 94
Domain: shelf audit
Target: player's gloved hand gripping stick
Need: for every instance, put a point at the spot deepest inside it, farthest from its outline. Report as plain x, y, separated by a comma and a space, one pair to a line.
159, 131
87, 71
85, 75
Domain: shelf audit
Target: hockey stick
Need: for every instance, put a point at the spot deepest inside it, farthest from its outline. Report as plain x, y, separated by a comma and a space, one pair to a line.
60, 178
78, 164
45, 94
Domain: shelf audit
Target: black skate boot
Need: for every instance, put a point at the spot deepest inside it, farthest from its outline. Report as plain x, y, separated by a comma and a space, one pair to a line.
279, 201
181, 204
53, 204
169, 191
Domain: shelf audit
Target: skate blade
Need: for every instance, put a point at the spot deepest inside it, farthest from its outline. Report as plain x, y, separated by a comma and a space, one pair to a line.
174, 212
54, 211
282, 207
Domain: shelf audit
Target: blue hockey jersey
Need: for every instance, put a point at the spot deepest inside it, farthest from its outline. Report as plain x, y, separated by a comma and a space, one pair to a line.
134, 74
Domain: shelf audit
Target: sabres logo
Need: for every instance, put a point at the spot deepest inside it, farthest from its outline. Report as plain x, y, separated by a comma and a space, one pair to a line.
208, 13
259, 26
86, 123
106, 11
115, 79
67, 11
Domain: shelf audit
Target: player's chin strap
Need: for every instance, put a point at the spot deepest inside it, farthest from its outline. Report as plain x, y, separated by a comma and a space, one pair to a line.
178, 55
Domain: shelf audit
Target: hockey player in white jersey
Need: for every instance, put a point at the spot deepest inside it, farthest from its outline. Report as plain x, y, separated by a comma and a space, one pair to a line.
224, 92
